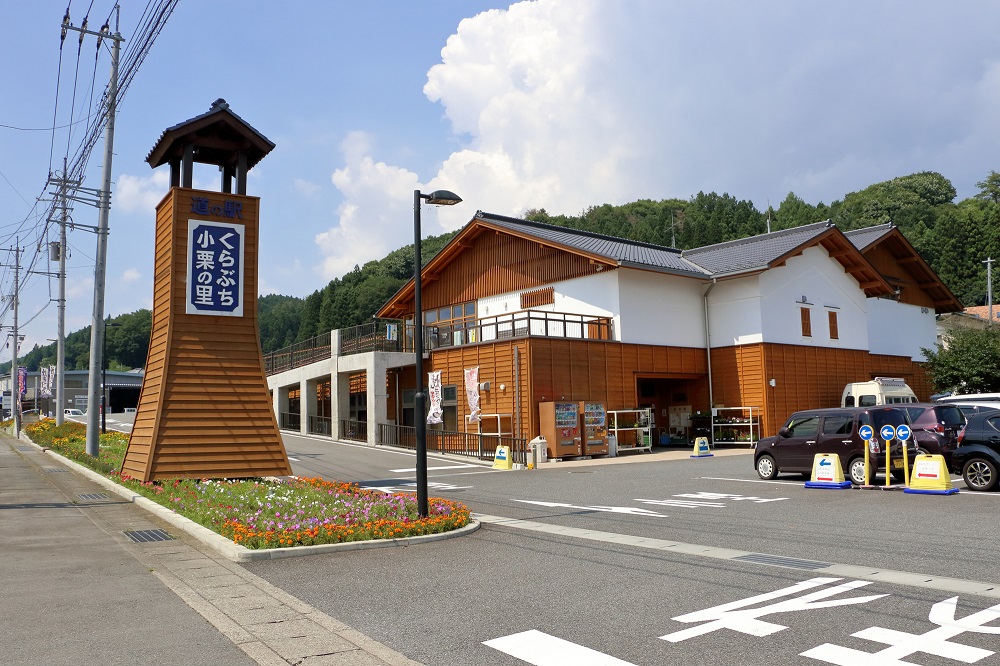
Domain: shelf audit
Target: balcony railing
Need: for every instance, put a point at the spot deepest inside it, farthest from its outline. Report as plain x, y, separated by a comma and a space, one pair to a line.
297, 355
396, 335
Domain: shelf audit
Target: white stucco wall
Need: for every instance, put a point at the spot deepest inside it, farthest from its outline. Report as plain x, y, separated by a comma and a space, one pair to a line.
734, 312
826, 288
661, 309
900, 329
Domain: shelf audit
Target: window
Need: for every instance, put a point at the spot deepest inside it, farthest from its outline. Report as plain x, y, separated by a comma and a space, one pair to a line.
834, 331
804, 426
838, 425
806, 323
866, 401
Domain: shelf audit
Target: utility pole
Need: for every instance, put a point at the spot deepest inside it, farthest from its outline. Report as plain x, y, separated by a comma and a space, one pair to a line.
989, 287
100, 268
15, 384
62, 193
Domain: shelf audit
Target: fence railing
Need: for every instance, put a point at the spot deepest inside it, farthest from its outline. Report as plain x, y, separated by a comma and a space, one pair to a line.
472, 445
290, 421
319, 425
356, 431
388, 335
299, 354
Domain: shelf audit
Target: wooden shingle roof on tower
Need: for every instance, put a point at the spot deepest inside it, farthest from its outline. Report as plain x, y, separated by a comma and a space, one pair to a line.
218, 136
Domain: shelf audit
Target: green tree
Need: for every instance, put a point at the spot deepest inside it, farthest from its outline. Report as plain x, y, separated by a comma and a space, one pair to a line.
968, 361
989, 189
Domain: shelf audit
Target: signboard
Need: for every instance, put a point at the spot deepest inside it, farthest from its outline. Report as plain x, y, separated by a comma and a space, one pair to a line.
887, 432
927, 467
902, 432
866, 432
215, 268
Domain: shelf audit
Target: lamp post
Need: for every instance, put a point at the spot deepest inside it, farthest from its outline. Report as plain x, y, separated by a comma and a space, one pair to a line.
104, 375
438, 198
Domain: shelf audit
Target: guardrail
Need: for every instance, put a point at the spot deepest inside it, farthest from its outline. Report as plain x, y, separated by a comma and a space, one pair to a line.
299, 354
355, 431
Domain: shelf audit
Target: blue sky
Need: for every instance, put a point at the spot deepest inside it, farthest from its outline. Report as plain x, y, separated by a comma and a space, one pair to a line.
555, 104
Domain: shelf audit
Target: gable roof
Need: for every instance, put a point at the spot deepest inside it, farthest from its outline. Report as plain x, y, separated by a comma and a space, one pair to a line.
755, 252
620, 251
889, 237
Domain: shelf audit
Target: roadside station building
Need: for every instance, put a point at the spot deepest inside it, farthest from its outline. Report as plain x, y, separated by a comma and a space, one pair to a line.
776, 322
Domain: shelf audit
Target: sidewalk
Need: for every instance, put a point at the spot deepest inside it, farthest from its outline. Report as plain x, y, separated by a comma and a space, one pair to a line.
79, 590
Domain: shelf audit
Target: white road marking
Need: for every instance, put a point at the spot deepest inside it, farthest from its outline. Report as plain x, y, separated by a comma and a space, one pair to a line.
541, 649
722, 478
431, 469
627, 510
293, 459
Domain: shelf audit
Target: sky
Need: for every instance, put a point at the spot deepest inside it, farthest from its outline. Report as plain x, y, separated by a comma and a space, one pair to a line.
554, 104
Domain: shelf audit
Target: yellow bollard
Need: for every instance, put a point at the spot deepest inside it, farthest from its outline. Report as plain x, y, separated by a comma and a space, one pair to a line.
906, 468
868, 466
888, 463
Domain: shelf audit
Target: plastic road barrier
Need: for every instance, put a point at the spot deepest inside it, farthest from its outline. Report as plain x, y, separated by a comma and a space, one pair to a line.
827, 473
701, 449
930, 477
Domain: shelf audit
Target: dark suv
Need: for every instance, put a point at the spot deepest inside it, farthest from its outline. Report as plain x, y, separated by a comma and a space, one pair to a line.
813, 431
977, 456
935, 426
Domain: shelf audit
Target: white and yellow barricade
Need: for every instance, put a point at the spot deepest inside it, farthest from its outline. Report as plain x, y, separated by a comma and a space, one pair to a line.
501, 459
930, 476
701, 449
827, 473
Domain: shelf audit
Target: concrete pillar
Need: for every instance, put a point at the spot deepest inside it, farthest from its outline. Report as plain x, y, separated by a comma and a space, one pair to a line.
304, 405
280, 403
378, 397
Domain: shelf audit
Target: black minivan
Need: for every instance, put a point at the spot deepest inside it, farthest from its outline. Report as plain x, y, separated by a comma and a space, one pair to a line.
834, 430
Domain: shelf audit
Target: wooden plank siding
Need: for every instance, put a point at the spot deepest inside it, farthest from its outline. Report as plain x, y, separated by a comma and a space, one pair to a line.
805, 377
204, 409
498, 263
899, 276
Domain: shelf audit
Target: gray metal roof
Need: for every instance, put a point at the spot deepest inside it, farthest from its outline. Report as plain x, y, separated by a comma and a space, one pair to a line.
755, 252
862, 238
634, 254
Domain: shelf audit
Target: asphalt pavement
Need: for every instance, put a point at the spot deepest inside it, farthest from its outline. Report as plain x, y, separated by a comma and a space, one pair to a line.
91, 578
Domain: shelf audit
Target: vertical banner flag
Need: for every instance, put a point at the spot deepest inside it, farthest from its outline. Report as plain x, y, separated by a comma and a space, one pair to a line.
44, 388
434, 388
472, 393
52, 379
22, 380
215, 268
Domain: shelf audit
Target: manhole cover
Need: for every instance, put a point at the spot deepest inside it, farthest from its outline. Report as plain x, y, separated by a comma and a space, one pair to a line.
147, 536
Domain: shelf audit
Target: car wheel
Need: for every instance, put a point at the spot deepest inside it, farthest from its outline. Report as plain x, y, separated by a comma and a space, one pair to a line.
767, 469
980, 474
856, 470
921, 451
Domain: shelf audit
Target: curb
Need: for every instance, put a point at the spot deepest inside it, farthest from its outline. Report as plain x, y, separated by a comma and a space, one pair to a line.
225, 547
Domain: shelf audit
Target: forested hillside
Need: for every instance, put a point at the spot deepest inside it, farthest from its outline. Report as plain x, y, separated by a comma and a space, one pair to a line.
953, 237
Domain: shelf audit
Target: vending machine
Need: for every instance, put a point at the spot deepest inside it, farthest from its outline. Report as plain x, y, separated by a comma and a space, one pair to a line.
594, 434
559, 424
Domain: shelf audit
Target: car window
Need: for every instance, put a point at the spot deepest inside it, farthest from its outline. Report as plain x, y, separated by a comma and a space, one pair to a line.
949, 416
841, 424
803, 426
994, 423
866, 401
849, 401
880, 417
913, 413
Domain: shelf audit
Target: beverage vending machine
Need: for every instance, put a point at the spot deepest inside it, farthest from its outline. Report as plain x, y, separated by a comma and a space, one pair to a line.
595, 428
559, 424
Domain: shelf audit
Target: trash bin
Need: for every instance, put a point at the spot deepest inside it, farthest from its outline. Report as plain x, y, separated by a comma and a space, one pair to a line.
538, 451
612, 446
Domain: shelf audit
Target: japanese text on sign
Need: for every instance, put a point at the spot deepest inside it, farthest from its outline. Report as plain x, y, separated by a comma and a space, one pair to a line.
215, 268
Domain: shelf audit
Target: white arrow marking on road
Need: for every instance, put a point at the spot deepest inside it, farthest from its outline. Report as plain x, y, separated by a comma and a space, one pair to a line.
431, 469
540, 649
610, 509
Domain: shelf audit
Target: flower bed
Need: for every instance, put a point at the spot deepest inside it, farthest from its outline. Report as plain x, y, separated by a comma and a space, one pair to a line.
263, 513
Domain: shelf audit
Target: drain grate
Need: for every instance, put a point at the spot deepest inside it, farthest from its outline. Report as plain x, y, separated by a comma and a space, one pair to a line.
147, 536
774, 560
55, 470
26, 449
93, 497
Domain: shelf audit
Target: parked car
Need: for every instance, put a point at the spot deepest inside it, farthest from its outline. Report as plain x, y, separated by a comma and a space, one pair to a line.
834, 430
879, 391
970, 408
72, 412
977, 456
935, 426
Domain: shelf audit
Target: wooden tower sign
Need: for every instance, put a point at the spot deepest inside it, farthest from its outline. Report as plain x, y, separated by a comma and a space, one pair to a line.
204, 411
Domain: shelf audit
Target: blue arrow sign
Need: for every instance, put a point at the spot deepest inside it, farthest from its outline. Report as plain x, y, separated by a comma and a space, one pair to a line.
887, 432
902, 432
866, 432
825, 462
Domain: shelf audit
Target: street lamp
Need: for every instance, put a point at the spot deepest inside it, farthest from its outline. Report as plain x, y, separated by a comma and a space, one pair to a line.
104, 374
438, 198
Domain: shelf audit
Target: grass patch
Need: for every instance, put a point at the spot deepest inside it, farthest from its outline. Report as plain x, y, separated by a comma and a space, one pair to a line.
262, 513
